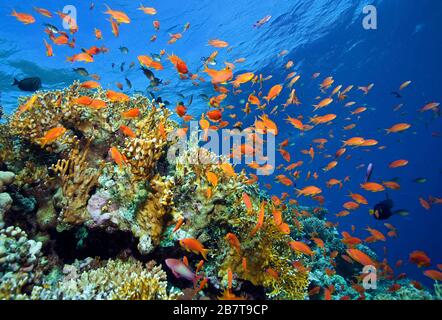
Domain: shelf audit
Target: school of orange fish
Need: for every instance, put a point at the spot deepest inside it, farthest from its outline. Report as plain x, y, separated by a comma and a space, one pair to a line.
225, 82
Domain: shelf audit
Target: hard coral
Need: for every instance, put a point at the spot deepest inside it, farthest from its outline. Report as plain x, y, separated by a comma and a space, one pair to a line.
77, 180
150, 217
116, 280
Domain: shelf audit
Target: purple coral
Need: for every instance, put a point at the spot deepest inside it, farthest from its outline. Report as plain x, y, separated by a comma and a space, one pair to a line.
95, 207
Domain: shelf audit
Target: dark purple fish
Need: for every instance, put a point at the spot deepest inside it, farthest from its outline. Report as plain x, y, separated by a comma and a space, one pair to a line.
369, 172
262, 21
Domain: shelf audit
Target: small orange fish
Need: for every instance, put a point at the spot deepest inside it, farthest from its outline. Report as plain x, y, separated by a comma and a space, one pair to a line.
23, 17
218, 43
131, 113
178, 225
234, 242
43, 12
400, 127
299, 246
360, 257
127, 131
148, 10
117, 157
193, 245
49, 51
398, 163
51, 135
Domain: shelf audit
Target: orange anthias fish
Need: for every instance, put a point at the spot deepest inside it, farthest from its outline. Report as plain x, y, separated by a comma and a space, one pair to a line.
309, 191
90, 84
301, 247
131, 113
193, 245
398, 128
116, 155
43, 12
420, 258
150, 63
49, 51
220, 76
360, 257
234, 242
84, 57
23, 17
119, 16
260, 219
273, 92
398, 163
148, 10
117, 96
372, 186
51, 135
218, 43
179, 64
127, 131
115, 27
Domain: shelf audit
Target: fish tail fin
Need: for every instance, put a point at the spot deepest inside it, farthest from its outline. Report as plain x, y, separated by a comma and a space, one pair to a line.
204, 253
41, 141
107, 7
15, 82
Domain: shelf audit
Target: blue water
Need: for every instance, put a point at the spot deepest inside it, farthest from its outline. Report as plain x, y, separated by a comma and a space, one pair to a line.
321, 36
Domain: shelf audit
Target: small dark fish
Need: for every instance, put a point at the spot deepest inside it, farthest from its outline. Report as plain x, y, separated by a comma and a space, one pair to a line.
149, 74
369, 172
204, 96
113, 65
124, 50
28, 84
122, 66
129, 84
155, 82
396, 94
206, 60
420, 180
92, 6
81, 71
181, 95
51, 28
190, 101
156, 57
132, 64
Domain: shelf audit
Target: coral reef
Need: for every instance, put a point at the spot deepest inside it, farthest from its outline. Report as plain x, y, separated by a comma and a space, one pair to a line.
85, 162
116, 280
19, 259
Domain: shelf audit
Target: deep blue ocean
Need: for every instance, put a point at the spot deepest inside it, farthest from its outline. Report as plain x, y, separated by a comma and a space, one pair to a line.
325, 36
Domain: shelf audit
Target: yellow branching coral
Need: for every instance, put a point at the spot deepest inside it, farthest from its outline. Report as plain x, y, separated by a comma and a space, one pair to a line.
150, 217
143, 152
77, 180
